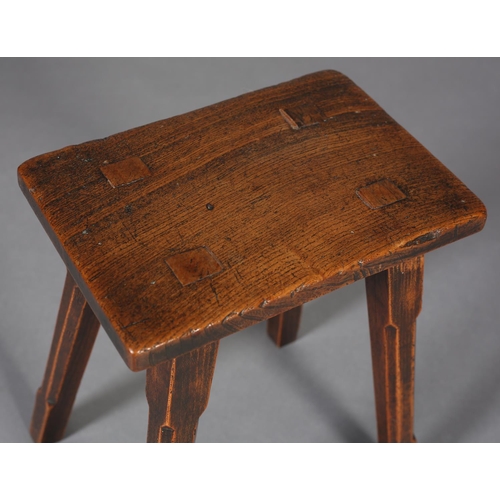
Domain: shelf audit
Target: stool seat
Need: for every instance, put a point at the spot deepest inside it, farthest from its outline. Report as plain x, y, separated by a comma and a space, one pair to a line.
186, 230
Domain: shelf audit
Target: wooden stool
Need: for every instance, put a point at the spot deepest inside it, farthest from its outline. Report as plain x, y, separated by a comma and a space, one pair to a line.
178, 233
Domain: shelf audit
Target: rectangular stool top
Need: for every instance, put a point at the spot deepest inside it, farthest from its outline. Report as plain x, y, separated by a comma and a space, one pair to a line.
188, 229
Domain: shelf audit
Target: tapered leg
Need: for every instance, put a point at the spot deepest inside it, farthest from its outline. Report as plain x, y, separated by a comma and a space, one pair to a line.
283, 328
74, 336
177, 391
394, 302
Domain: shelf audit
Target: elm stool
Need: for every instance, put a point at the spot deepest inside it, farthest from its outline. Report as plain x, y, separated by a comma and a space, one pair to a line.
179, 233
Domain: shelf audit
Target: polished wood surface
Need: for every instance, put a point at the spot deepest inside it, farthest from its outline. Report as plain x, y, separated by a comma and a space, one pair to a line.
294, 191
75, 333
394, 301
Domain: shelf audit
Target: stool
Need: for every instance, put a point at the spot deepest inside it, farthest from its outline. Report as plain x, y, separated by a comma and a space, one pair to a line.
179, 233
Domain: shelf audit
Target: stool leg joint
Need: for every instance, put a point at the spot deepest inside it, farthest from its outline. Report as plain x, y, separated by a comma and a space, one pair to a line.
177, 391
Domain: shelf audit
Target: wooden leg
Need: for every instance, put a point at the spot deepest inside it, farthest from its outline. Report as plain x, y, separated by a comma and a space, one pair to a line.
177, 391
283, 328
394, 302
74, 336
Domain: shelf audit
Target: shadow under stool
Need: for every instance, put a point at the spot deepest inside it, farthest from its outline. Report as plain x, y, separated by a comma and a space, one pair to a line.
179, 233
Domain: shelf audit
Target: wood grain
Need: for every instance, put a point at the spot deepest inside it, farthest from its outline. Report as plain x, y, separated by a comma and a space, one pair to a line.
283, 328
276, 204
394, 301
75, 333
178, 391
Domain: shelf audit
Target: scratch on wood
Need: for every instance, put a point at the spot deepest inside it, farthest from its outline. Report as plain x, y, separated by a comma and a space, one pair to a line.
260, 198
135, 323
424, 238
215, 292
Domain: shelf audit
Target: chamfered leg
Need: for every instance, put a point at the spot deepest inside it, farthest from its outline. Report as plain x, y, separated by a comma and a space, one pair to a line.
394, 301
74, 336
283, 329
178, 391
